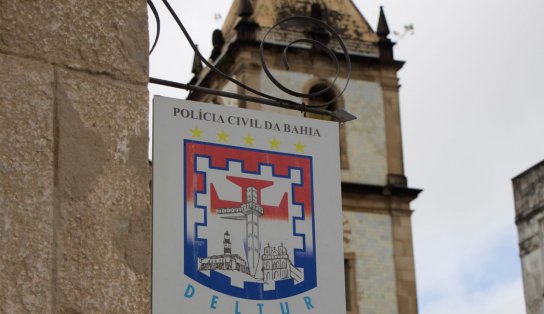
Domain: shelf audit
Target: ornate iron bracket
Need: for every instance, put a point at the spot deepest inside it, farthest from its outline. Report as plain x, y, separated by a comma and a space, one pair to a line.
263, 98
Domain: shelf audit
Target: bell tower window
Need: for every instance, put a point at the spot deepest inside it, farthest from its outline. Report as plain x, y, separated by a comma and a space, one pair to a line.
321, 101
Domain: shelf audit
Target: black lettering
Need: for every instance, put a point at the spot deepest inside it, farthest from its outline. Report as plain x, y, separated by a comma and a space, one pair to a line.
230, 120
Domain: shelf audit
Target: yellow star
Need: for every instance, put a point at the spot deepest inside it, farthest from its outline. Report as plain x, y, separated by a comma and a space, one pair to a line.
196, 132
299, 147
222, 137
248, 140
274, 143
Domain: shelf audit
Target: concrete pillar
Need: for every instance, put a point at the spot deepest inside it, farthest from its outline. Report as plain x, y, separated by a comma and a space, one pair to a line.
74, 176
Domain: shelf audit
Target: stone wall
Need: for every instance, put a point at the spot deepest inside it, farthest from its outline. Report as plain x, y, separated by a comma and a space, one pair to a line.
529, 200
372, 243
74, 188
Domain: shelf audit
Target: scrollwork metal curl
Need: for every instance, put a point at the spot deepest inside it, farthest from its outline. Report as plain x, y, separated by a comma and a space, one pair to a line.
158, 22
316, 44
338, 114
210, 65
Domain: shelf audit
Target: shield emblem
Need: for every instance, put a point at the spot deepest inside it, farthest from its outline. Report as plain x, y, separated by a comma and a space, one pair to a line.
249, 221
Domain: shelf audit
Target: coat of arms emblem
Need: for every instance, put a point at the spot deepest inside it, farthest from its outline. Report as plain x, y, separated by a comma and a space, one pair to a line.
249, 221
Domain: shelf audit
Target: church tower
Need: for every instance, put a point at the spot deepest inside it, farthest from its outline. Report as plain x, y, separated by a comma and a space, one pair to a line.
379, 260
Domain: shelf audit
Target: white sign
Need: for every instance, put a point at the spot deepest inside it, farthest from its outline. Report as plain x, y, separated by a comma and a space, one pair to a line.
246, 212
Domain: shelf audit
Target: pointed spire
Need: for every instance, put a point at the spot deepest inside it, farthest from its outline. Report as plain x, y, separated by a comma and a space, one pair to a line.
217, 41
385, 44
246, 9
246, 26
316, 11
383, 28
197, 65
317, 32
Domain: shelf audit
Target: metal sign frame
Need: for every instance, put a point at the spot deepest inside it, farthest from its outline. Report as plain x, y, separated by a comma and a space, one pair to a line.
246, 212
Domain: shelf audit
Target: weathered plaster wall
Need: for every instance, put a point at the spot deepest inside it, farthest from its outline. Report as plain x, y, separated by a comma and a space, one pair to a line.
74, 175
532, 262
372, 243
529, 199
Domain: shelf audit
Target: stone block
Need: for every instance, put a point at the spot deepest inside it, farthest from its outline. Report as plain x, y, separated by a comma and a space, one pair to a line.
104, 223
26, 184
107, 37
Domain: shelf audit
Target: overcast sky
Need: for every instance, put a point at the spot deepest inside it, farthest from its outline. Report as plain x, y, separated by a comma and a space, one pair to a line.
472, 117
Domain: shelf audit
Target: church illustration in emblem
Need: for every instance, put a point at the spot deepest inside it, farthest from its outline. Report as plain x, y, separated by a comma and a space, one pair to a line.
278, 266
275, 263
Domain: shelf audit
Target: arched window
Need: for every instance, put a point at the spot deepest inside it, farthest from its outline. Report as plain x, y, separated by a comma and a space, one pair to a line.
322, 99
